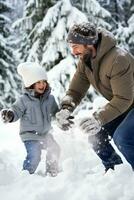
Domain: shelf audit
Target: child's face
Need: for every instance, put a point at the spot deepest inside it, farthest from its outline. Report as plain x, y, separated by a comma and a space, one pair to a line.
40, 86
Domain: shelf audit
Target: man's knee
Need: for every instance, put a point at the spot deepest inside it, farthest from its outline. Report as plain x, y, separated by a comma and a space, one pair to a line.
124, 132
120, 137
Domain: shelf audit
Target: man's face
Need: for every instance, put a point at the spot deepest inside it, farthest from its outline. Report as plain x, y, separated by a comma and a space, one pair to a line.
81, 50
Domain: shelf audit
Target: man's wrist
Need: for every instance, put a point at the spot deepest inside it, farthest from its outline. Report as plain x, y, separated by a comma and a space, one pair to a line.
68, 103
67, 107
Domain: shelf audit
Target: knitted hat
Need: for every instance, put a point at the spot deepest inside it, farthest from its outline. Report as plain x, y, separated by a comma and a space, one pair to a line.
31, 73
83, 33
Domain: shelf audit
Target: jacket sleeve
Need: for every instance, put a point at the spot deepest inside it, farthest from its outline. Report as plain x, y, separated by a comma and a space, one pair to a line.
122, 84
18, 108
79, 84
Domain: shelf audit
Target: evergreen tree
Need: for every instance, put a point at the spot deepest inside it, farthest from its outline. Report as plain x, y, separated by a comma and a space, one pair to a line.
8, 77
34, 12
130, 30
124, 28
94, 11
17, 9
121, 21
115, 7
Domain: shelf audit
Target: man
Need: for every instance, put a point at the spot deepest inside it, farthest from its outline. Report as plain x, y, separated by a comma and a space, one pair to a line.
110, 70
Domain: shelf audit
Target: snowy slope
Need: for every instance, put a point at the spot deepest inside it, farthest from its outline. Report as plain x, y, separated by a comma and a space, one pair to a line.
82, 177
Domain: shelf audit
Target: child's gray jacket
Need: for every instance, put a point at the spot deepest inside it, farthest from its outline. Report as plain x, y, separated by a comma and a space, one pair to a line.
34, 114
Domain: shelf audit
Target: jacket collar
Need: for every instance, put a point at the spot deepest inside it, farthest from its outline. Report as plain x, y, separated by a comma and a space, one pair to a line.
31, 94
106, 44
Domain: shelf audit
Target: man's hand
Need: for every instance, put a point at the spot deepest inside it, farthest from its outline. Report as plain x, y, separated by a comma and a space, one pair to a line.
90, 126
7, 115
64, 119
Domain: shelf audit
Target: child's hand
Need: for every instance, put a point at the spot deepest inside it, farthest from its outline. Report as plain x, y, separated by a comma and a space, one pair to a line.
7, 115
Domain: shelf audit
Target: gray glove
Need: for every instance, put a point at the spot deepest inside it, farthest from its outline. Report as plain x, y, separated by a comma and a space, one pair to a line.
90, 125
7, 115
64, 119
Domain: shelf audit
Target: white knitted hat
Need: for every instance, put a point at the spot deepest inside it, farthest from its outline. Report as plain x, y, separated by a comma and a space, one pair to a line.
31, 73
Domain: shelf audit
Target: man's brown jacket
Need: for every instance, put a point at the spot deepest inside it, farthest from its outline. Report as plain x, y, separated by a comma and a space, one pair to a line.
112, 76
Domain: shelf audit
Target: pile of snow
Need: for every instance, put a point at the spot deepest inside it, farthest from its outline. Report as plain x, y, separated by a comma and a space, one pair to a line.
82, 176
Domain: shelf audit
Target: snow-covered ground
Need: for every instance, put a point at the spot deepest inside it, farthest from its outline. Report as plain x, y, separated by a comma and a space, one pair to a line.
82, 177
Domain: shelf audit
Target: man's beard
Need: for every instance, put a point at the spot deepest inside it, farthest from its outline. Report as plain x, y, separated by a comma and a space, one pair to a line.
87, 58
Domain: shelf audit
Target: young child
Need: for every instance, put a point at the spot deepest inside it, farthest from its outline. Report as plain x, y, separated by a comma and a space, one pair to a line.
34, 109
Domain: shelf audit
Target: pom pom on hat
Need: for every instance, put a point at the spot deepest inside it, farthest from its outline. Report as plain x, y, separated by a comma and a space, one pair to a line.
31, 73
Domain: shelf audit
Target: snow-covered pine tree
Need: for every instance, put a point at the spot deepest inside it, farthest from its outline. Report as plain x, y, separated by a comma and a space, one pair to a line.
34, 12
116, 8
17, 9
8, 77
94, 12
121, 21
130, 23
124, 29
